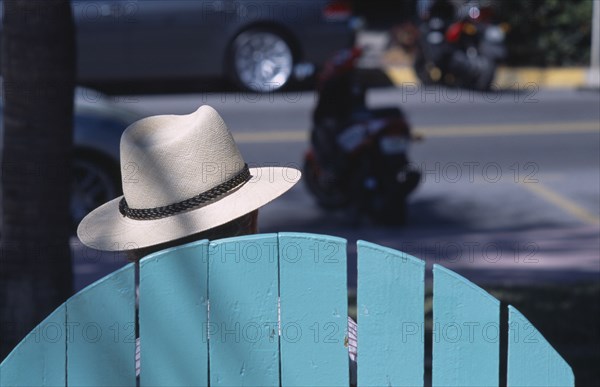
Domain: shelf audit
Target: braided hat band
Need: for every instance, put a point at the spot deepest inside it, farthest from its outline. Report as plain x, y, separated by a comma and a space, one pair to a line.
162, 212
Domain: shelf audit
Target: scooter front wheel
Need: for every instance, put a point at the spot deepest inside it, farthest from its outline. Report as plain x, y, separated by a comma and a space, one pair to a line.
487, 74
420, 67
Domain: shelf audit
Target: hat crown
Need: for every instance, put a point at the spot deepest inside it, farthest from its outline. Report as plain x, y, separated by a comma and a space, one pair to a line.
167, 159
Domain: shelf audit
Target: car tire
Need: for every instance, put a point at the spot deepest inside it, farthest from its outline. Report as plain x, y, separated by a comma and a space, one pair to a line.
95, 181
261, 60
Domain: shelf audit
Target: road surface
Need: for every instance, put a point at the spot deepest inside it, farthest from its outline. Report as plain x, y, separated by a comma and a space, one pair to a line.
510, 190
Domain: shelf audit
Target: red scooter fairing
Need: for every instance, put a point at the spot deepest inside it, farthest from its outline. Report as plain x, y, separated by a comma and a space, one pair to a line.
359, 156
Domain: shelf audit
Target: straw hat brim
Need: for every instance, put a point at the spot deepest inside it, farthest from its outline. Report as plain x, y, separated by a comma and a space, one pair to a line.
107, 229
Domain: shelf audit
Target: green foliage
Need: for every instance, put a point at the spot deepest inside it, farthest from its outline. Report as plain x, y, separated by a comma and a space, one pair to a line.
548, 32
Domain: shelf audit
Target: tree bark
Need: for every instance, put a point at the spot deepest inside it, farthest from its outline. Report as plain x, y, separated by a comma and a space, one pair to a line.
38, 67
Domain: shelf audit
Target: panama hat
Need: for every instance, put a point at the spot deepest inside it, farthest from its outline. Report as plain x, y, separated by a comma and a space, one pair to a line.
181, 174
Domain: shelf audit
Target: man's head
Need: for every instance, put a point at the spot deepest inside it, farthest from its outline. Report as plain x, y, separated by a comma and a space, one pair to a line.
182, 176
244, 225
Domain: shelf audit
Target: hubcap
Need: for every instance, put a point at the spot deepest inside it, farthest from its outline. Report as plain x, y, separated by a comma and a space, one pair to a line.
263, 61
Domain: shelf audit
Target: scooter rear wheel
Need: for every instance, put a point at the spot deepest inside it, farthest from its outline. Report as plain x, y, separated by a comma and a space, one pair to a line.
327, 195
393, 214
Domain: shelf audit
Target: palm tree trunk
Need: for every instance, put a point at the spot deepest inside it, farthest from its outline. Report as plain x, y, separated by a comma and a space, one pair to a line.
38, 67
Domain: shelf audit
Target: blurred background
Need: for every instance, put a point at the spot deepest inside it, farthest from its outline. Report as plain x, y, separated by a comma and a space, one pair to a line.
499, 106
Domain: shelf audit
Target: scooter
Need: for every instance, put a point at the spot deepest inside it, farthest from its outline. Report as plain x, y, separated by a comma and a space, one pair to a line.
463, 53
358, 159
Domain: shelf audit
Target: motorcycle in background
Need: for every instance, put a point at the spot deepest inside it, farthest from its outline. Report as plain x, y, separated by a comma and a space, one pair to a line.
463, 53
358, 159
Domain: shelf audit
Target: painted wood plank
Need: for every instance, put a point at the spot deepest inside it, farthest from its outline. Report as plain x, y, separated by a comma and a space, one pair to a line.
243, 294
101, 332
531, 359
314, 310
390, 303
173, 317
39, 359
465, 332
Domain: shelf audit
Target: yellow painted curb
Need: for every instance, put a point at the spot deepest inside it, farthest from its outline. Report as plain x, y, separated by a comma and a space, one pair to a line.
511, 77
565, 77
401, 75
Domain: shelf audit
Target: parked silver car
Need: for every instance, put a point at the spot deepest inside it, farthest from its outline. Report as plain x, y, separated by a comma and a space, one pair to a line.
97, 128
260, 45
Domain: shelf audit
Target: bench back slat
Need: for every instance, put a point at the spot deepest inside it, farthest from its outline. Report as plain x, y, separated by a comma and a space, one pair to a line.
466, 339
314, 310
173, 317
101, 332
390, 308
39, 360
243, 293
531, 359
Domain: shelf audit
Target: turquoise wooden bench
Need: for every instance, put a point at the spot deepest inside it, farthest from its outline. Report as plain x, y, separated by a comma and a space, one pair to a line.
236, 340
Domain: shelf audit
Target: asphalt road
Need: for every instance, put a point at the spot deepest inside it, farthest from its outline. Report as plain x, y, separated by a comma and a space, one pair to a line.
511, 187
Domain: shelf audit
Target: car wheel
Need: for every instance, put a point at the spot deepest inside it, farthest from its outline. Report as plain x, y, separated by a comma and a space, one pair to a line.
261, 60
95, 181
